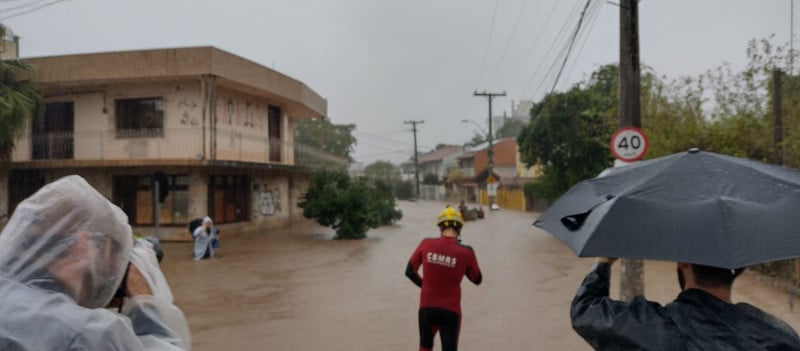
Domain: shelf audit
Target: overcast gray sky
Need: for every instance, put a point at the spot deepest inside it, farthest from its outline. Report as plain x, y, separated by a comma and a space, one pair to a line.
381, 62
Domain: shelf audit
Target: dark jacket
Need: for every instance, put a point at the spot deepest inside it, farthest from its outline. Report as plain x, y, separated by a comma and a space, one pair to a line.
696, 320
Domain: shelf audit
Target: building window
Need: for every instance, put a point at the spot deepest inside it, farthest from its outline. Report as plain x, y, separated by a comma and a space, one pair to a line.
274, 133
52, 132
140, 118
134, 194
229, 198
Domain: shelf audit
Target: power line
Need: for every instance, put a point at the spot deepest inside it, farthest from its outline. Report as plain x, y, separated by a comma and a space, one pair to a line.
510, 39
22, 6
488, 40
31, 10
556, 40
571, 44
562, 55
539, 34
592, 19
384, 139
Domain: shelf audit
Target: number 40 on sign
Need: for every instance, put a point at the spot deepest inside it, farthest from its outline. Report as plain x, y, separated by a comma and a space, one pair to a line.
629, 144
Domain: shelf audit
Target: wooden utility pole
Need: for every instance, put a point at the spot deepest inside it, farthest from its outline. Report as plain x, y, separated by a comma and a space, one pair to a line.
632, 282
416, 154
777, 109
490, 166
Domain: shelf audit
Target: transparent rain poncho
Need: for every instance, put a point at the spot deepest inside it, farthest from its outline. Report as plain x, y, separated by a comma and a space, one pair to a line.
63, 254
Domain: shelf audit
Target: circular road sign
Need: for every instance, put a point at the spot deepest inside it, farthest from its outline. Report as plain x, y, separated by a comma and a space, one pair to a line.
629, 144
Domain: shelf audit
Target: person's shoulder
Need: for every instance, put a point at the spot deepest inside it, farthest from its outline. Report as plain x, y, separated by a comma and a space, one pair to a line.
770, 320
465, 246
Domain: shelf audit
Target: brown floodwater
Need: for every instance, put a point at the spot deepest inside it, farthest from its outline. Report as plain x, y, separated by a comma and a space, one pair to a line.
296, 289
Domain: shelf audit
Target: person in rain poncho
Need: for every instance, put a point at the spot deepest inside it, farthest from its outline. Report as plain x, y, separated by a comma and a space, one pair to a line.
204, 236
702, 317
63, 254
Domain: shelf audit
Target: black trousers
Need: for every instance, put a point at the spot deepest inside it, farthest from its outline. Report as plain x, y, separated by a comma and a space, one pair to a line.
446, 322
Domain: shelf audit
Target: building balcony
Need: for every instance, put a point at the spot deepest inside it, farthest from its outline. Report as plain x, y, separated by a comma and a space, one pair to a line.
178, 145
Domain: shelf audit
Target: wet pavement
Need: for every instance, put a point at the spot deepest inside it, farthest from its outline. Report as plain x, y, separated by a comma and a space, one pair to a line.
296, 289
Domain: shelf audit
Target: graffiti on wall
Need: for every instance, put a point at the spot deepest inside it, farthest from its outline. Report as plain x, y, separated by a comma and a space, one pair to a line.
187, 108
269, 201
232, 110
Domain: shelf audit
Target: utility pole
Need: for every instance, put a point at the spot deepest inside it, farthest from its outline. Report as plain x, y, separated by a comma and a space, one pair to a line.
777, 109
490, 167
416, 154
632, 282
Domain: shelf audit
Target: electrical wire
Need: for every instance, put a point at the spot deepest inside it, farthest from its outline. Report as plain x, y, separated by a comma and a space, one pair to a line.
32, 10
562, 57
17, 7
571, 44
539, 35
553, 45
592, 19
488, 41
510, 39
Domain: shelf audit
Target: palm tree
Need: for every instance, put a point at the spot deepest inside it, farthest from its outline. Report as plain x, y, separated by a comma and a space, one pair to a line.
19, 100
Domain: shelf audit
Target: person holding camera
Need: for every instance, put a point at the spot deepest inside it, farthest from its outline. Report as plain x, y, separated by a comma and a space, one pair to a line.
204, 238
64, 253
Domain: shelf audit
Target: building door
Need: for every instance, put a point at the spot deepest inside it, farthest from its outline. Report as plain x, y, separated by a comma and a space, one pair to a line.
52, 132
274, 126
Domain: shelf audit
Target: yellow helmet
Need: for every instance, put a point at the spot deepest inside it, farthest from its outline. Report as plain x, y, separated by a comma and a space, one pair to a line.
450, 215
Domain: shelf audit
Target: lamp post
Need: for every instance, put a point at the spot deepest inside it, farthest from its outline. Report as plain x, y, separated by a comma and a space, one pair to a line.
476, 124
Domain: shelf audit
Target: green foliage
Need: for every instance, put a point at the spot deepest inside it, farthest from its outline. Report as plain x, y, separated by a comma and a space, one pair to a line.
349, 207
431, 179
320, 133
476, 140
384, 204
568, 135
382, 170
404, 190
19, 100
721, 111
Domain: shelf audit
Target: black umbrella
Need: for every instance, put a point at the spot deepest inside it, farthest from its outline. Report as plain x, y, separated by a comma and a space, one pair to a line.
696, 207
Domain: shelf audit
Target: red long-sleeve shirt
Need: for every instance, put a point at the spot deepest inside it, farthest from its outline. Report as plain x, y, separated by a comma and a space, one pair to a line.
444, 263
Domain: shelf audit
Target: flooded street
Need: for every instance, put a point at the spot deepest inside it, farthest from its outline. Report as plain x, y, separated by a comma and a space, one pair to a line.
298, 290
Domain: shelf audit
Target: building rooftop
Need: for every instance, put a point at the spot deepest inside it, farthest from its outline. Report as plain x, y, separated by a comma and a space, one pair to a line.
75, 73
440, 154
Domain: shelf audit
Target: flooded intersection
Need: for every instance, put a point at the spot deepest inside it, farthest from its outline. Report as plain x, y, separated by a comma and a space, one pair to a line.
296, 289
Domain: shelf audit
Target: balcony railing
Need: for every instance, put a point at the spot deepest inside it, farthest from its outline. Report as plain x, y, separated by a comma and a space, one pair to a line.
468, 172
176, 143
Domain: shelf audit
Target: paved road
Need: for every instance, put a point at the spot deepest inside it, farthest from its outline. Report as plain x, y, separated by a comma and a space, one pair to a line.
298, 290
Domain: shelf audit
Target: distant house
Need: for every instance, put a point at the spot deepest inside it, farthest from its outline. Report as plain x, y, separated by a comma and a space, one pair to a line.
218, 126
440, 161
508, 171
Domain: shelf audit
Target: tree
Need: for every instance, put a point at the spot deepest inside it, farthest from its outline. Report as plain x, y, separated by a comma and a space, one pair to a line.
349, 207
19, 100
384, 171
510, 129
568, 135
431, 179
320, 133
476, 140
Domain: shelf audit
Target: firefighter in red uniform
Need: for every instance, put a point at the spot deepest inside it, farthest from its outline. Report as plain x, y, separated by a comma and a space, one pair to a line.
445, 262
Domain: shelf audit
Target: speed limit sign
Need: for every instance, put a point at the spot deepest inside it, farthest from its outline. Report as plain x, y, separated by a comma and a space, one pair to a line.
629, 144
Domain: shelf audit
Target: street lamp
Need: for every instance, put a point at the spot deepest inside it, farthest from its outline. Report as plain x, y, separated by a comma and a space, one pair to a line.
475, 123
